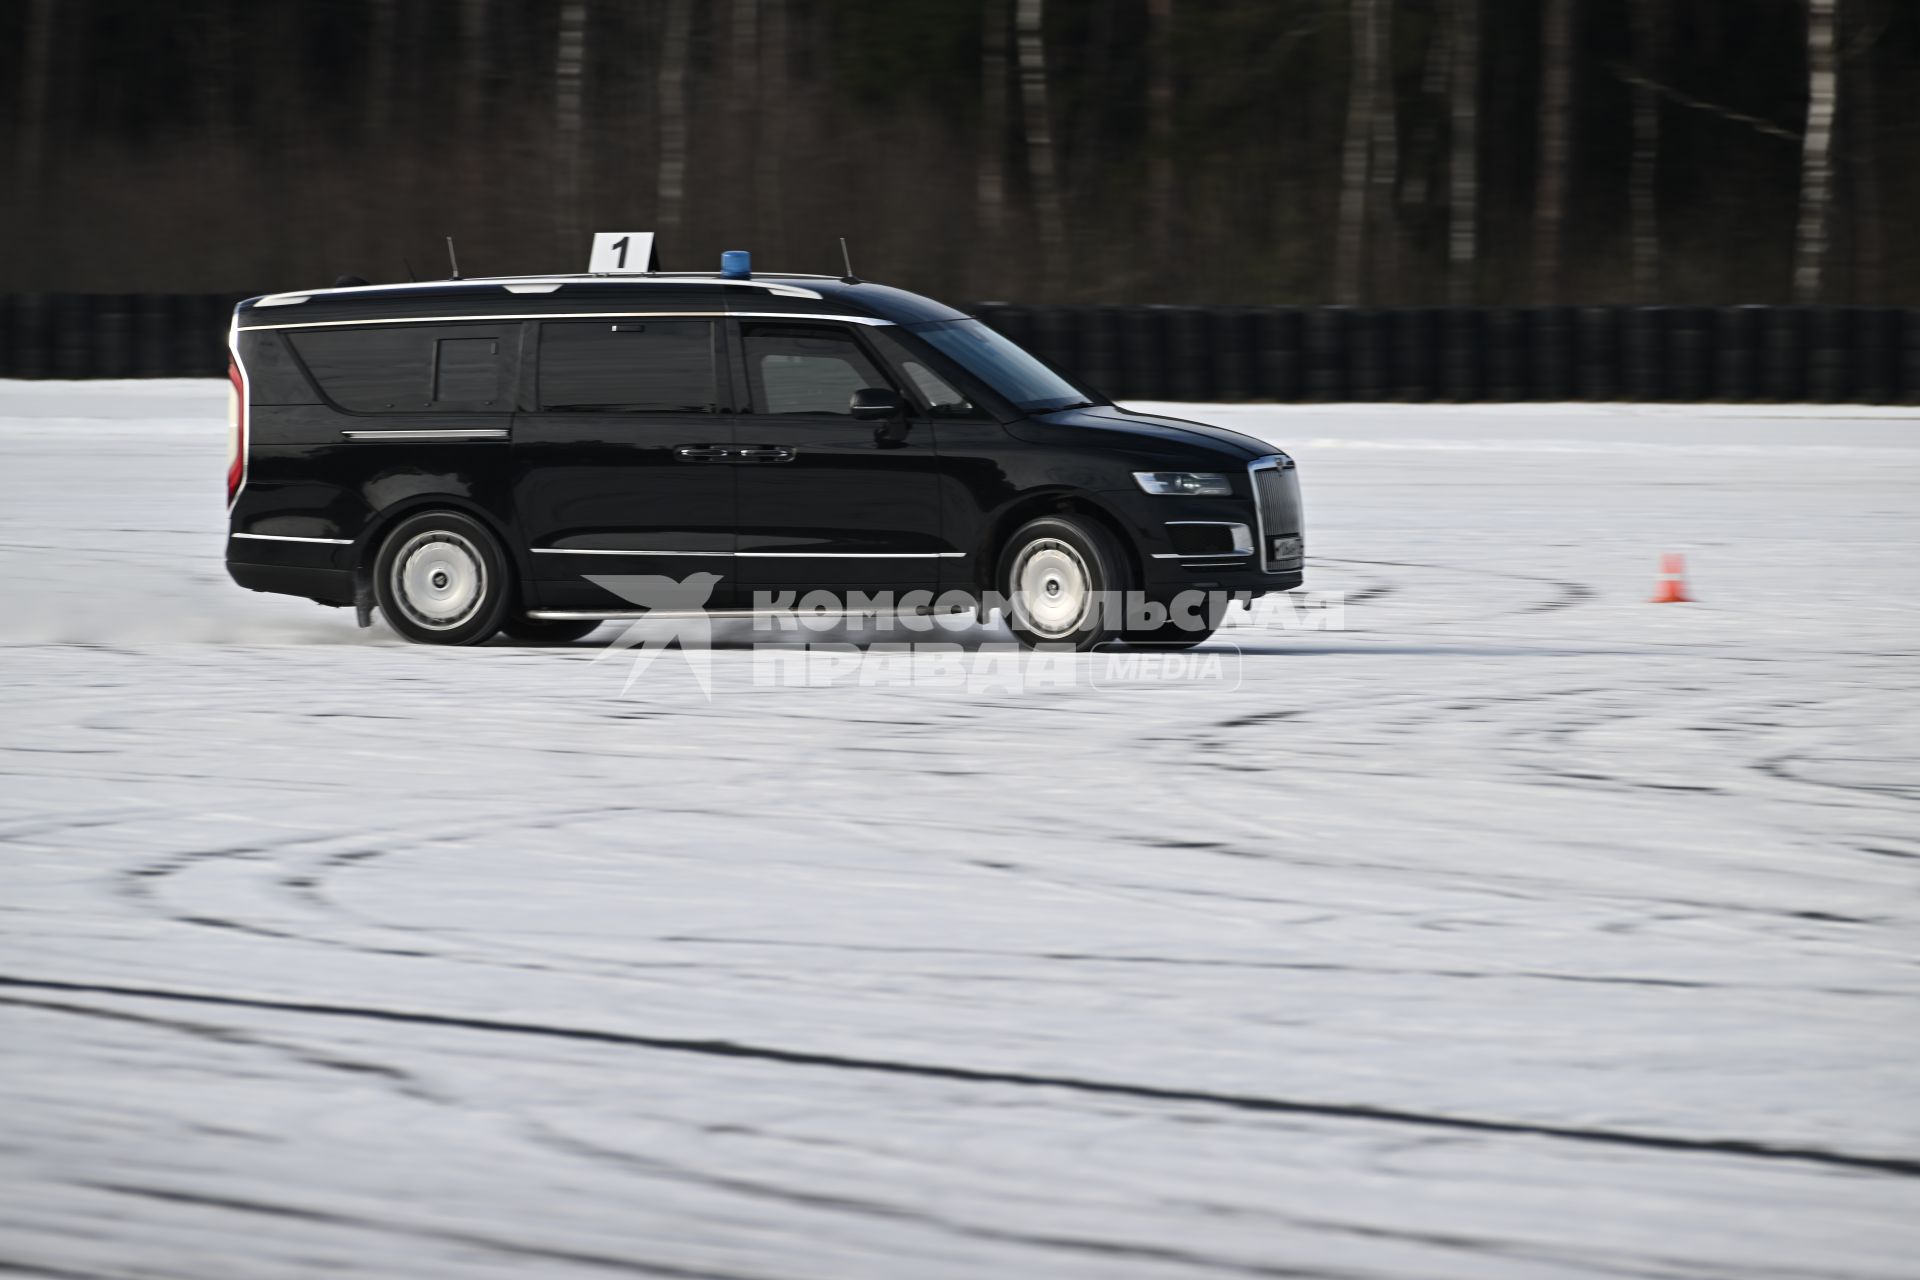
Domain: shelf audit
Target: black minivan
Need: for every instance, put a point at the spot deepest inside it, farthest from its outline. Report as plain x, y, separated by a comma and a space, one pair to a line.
477, 456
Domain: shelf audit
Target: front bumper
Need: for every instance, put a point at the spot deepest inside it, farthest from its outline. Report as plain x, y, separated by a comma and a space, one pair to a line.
1252, 541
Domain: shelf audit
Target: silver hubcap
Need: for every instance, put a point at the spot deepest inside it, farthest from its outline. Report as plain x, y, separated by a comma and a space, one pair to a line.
439, 579
1052, 588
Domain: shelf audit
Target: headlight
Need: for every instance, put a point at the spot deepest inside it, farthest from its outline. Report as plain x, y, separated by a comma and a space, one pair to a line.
1188, 484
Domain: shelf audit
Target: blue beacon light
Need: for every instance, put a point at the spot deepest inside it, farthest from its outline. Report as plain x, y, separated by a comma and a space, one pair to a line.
736, 264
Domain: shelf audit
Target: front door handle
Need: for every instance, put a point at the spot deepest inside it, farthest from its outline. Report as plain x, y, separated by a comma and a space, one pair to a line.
703, 452
763, 453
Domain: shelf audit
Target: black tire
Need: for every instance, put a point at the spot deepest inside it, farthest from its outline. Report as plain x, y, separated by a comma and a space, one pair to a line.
1059, 556
441, 578
549, 630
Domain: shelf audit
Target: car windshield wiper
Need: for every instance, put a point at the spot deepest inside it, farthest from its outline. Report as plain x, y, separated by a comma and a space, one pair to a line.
1071, 404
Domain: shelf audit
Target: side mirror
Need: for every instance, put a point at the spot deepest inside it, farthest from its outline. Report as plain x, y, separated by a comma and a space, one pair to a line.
876, 404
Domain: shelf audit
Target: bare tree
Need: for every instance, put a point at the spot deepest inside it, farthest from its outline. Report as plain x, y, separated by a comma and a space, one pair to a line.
1463, 170
36, 81
1649, 37
1384, 163
569, 66
1863, 136
1042, 171
1363, 89
382, 35
473, 66
769, 223
1422, 151
1160, 126
990, 176
743, 99
1816, 161
1551, 177
675, 47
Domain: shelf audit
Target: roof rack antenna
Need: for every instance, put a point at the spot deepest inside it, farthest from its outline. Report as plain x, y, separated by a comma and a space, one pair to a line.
847, 258
409, 267
451, 260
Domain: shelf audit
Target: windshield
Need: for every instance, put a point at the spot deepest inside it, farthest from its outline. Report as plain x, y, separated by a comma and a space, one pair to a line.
1003, 366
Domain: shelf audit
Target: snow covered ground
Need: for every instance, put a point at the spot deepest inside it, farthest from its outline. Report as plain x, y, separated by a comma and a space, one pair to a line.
1524, 929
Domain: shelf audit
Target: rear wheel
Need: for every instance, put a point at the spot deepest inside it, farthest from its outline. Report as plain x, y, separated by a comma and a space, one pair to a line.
550, 630
440, 578
1057, 574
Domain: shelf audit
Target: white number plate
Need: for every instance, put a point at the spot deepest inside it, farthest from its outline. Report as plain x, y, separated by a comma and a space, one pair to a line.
621, 251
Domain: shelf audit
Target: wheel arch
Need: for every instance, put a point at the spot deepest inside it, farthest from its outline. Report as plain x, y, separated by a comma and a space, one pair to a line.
1050, 502
366, 548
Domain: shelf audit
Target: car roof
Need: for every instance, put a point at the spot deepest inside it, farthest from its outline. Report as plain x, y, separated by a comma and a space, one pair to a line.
509, 296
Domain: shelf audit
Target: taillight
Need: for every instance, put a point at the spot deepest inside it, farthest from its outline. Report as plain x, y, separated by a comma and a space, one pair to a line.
236, 431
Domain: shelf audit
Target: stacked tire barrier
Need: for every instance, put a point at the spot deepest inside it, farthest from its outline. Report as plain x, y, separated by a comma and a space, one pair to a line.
1868, 355
1831, 355
115, 335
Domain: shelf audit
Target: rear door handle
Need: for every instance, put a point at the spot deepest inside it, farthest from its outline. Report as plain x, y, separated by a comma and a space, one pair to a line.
703, 452
763, 453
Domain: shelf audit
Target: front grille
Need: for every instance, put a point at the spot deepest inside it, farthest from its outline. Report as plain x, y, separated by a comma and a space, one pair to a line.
1276, 487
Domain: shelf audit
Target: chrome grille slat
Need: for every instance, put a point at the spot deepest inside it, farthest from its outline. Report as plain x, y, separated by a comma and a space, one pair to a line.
1276, 494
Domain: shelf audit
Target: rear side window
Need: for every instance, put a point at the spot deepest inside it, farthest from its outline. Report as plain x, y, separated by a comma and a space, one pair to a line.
805, 370
629, 366
407, 368
465, 369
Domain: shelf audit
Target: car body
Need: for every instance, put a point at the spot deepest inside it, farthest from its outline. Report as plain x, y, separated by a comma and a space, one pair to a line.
681, 424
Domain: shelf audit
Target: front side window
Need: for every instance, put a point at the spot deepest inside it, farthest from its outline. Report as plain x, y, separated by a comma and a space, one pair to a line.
797, 370
937, 393
628, 366
1002, 365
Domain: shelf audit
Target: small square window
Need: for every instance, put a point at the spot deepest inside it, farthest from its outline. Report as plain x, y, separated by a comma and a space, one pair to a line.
466, 370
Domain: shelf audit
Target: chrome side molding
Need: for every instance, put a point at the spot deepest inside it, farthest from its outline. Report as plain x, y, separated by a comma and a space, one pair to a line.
287, 537
435, 433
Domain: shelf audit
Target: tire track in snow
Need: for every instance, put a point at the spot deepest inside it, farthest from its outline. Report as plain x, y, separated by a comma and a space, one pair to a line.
739, 1050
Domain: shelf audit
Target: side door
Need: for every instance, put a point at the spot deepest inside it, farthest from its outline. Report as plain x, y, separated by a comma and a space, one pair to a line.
826, 500
621, 456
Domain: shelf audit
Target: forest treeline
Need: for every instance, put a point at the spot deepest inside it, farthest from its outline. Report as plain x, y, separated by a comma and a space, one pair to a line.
1220, 151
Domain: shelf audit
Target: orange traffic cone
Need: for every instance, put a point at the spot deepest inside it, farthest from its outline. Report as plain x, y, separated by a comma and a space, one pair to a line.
1673, 585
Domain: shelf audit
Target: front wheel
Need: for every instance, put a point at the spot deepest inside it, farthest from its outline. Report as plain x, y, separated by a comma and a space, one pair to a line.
441, 578
1059, 574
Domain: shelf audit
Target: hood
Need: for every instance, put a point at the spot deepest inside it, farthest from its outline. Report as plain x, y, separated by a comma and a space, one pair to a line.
1153, 428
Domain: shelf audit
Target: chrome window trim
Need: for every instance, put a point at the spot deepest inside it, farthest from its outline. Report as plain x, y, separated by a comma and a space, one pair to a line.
287, 537
369, 321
